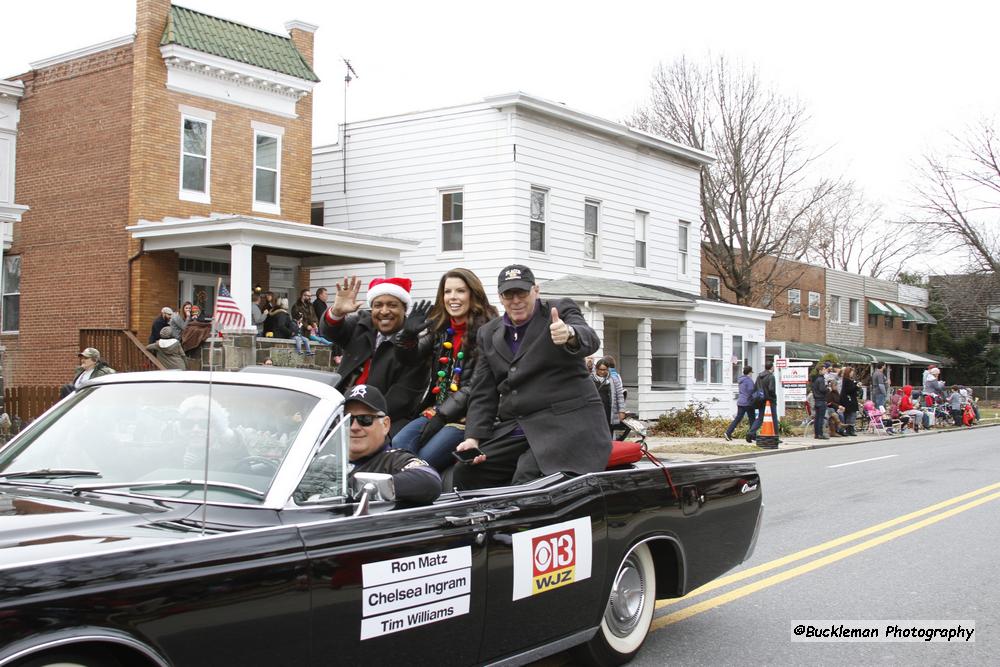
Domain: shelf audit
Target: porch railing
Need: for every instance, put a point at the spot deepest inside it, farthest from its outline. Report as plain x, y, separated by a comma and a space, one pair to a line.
23, 403
120, 349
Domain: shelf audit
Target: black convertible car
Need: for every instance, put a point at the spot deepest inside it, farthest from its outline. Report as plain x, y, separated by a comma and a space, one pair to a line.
206, 519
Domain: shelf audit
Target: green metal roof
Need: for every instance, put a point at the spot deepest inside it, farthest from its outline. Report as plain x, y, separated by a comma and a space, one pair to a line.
928, 318
815, 351
234, 41
912, 315
872, 355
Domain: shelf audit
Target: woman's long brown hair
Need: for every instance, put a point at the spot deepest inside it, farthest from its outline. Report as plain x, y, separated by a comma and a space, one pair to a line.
480, 310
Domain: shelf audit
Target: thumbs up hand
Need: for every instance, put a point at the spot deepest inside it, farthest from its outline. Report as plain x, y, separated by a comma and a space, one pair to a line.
559, 330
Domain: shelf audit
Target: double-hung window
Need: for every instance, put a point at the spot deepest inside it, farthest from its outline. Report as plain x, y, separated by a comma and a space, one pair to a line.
683, 232
591, 215
451, 220
196, 157
834, 311
539, 211
11, 293
814, 300
267, 168
707, 357
641, 217
714, 285
794, 302
737, 358
715, 350
666, 349
854, 311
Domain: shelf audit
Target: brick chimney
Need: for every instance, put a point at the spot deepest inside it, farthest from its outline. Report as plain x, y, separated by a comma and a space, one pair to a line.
302, 37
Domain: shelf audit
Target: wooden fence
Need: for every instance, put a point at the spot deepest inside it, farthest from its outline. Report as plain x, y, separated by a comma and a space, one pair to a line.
26, 402
120, 349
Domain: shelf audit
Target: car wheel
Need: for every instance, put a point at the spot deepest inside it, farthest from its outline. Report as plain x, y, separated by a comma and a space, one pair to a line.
63, 658
629, 612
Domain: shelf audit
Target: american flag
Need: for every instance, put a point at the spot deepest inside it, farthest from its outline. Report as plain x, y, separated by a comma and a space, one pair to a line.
227, 313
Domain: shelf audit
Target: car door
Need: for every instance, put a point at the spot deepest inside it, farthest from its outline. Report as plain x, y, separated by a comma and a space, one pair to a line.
547, 563
399, 585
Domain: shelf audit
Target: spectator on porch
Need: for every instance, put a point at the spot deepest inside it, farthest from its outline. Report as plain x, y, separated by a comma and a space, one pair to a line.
259, 310
319, 304
162, 321
279, 323
168, 351
181, 318
303, 310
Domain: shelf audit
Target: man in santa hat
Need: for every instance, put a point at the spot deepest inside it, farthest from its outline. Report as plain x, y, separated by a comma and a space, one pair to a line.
369, 339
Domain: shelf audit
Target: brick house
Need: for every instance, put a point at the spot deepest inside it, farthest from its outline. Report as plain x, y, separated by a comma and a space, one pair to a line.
818, 310
127, 152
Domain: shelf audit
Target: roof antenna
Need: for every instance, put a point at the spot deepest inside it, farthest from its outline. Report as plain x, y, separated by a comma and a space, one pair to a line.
347, 81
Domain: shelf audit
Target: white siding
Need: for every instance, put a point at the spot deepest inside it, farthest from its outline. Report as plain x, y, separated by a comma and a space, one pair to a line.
913, 296
847, 286
883, 290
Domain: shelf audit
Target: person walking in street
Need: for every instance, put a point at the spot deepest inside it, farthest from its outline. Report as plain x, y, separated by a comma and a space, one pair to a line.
744, 402
766, 383
880, 387
849, 399
820, 391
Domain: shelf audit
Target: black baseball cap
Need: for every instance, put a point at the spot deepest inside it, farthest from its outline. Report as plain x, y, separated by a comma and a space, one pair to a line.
515, 276
369, 395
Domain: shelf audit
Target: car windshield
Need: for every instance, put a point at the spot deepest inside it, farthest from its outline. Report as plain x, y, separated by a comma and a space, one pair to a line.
107, 436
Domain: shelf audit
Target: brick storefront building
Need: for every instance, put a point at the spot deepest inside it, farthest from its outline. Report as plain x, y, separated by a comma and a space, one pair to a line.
128, 151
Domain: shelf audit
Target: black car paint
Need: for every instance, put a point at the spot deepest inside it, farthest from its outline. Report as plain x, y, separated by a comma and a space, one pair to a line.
239, 584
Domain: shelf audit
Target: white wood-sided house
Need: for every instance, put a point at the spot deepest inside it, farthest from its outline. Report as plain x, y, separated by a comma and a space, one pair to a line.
602, 213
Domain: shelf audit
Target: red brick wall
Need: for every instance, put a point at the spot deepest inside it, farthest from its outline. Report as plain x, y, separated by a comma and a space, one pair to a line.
896, 338
73, 171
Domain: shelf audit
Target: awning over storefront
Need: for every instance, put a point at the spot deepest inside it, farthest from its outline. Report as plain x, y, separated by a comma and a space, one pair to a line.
913, 358
877, 308
872, 355
815, 351
899, 311
928, 318
912, 315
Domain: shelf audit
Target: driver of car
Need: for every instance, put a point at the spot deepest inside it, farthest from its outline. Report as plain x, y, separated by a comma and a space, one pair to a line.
226, 446
370, 450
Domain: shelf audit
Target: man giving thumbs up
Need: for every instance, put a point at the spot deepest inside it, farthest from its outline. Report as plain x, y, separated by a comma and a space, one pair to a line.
533, 407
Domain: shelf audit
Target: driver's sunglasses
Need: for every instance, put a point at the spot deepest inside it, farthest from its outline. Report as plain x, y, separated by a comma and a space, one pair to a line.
366, 420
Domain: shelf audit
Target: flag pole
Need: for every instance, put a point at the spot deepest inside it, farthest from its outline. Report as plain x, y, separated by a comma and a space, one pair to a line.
215, 318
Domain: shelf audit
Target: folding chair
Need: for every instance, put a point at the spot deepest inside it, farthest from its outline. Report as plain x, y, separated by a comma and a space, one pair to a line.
875, 424
807, 420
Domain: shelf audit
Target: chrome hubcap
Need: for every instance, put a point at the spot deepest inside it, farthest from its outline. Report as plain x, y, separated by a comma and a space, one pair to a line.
628, 596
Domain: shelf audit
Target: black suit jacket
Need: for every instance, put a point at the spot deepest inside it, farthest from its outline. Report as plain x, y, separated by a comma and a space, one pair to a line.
401, 378
545, 388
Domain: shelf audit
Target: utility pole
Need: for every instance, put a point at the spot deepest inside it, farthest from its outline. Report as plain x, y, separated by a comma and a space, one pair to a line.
347, 81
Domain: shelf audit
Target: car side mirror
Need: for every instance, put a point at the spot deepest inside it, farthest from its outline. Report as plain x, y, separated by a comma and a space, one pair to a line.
369, 486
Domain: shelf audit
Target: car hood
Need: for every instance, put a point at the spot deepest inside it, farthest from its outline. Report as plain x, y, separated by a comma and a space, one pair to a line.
38, 524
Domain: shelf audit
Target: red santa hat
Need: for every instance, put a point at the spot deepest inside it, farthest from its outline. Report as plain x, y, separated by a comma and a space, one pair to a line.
397, 287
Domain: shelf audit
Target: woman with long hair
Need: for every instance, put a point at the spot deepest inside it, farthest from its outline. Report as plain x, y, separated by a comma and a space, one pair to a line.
460, 308
180, 319
849, 399
609, 388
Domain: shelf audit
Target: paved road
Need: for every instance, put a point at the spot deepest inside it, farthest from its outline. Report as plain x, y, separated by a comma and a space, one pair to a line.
920, 522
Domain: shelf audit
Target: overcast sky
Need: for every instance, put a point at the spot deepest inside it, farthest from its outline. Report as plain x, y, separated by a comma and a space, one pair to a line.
883, 81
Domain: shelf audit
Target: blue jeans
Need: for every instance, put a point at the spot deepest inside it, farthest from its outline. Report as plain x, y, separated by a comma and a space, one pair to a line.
760, 420
436, 451
299, 342
749, 411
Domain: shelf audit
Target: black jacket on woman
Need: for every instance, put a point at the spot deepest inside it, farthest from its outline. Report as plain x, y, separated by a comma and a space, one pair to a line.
849, 395
431, 346
279, 324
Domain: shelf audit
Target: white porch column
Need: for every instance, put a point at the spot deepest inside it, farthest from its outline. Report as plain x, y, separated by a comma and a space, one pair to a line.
240, 286
644, 339
391, 268
595, 318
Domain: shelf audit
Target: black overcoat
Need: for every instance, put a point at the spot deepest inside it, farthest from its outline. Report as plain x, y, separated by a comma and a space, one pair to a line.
545, 388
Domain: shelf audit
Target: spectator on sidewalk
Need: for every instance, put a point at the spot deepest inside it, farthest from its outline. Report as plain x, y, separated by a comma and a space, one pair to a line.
168, 351
91, 367
162, 321
880, 387
955, 405
849, 399
744, 402
609, 388
820, 390
766, 383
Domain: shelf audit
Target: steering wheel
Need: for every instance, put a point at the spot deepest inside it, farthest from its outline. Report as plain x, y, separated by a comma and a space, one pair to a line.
257, 465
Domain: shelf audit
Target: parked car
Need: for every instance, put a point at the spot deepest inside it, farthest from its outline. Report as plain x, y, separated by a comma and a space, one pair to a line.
206, 519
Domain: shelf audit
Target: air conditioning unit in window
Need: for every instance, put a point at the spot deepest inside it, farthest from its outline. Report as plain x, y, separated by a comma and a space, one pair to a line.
995, 328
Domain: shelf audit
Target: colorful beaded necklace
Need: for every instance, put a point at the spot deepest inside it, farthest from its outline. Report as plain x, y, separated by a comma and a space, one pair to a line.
450, 362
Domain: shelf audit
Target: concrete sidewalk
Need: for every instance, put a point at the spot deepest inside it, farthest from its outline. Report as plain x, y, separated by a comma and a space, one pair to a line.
678, 449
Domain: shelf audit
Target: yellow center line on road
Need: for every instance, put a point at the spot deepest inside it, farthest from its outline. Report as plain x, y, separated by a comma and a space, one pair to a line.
812, 551
805, 568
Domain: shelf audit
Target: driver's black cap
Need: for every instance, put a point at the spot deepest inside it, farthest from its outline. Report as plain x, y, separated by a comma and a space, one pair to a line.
369, 395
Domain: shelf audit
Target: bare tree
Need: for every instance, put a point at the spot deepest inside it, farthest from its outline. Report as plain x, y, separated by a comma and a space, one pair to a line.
757, 196
851, 234
959, 196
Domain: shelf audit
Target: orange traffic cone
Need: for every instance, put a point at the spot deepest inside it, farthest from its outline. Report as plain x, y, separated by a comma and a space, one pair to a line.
766, 437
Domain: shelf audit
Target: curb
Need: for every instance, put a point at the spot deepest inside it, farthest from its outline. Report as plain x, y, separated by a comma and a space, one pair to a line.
822, 444
806, 447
